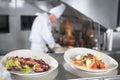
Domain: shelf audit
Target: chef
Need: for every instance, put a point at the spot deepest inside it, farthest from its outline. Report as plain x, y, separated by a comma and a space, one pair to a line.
41, 34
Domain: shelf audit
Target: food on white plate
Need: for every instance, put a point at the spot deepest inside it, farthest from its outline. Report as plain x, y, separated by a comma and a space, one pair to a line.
26, 65
89, 61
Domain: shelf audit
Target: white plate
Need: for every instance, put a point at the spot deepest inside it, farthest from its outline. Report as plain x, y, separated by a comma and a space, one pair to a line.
110, 63
29, 53
60, 50
85, 74
50, 76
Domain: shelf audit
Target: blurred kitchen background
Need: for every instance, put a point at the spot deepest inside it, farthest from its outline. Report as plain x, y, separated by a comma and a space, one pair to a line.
90, 23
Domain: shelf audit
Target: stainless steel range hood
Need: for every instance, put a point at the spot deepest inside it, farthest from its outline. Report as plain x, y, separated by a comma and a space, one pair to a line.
102, 11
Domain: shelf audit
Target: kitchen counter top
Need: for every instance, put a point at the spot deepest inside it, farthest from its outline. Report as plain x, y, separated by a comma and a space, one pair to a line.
63, 74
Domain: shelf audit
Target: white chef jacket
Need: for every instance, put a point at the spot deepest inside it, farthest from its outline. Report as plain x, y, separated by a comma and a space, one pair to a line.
41, 33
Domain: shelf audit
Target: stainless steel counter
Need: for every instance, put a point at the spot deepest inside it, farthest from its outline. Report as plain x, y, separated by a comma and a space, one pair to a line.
63, 74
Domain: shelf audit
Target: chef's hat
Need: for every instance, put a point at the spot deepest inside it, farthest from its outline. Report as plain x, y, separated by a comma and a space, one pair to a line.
58, 10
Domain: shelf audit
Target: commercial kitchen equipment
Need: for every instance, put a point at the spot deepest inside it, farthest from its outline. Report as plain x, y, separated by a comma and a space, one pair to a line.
104, 12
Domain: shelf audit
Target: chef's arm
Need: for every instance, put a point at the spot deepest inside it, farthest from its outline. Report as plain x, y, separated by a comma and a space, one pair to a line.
47, 36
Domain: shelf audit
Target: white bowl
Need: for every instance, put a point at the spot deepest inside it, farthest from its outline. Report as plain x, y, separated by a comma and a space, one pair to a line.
86, 74
110, 63
50, 76
27, 54
60, 50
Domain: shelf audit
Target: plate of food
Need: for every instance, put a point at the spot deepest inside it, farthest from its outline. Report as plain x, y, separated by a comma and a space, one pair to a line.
60, 50
90, 60
29, 63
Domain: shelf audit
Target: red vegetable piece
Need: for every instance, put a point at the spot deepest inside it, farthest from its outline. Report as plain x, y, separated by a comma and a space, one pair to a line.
94, 66
102, 66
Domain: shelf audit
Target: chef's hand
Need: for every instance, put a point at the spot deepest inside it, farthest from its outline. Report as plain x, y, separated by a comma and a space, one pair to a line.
57, 45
